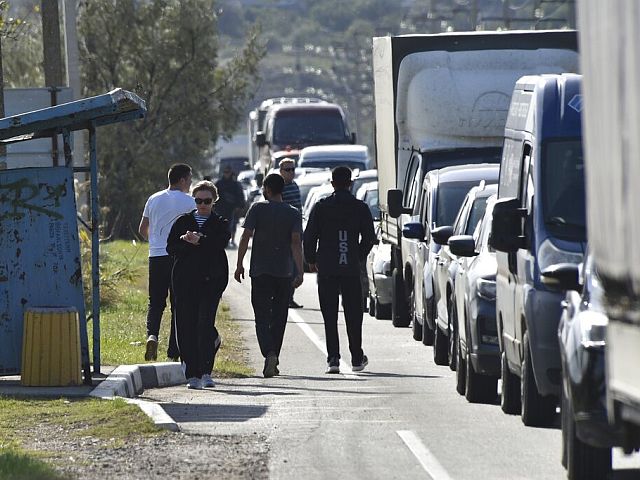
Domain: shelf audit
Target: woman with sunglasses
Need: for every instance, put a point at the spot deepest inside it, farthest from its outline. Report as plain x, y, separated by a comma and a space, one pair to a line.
199, 276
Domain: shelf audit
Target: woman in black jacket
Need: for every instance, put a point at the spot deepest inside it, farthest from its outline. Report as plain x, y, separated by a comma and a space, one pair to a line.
200, 274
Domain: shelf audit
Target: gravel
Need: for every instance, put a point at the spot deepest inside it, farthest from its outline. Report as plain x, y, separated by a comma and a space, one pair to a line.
168, 455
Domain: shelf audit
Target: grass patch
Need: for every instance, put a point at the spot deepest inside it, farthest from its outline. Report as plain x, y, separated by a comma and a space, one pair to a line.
18, 464
124, 274
23, 421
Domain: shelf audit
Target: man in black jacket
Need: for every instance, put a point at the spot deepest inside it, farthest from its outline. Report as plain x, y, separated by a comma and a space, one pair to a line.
338, 237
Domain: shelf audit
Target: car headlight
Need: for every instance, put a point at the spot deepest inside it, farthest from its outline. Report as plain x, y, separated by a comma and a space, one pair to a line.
593, 326
486, 288
549, 254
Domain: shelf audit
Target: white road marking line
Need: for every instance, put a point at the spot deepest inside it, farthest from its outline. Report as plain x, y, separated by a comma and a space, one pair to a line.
308, 331
431, 465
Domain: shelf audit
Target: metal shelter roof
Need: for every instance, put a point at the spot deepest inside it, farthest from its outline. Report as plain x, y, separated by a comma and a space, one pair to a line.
116, 106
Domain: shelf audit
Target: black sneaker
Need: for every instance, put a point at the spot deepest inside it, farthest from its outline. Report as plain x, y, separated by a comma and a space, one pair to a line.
333, 365
270, 366
361, 365
294, 304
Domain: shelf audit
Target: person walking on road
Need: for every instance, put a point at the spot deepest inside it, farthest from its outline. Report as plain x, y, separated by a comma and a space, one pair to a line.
231, 200
200, 274
160, 212
291, 195
338, 237
276, 228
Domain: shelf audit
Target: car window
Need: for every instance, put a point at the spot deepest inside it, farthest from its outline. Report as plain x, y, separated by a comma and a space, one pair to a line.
450, 197
476, 214
321, 127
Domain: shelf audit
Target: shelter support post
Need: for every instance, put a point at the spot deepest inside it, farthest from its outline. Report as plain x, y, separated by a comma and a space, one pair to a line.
95, 247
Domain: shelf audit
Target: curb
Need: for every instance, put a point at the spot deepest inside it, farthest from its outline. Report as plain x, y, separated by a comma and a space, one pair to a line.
129, 381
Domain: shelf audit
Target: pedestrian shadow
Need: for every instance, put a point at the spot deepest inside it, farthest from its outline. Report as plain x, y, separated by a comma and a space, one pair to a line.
190, 412
373, 373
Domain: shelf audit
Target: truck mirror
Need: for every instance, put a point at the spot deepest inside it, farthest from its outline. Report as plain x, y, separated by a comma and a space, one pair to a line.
506, 225
413, 230
462, 246
394, 202
353, 137
562, 276
261, 139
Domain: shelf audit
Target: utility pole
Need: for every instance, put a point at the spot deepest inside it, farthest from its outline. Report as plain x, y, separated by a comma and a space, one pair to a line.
52, 57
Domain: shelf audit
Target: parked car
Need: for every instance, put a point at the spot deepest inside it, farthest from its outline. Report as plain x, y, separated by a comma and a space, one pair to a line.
380, 279
368, 193
539, 220
473, 312
310, 179
587, 436
360, 177
330, 156
443, 192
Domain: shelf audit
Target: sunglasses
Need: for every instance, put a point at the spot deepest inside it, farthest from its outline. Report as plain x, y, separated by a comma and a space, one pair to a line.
288, 169
206, 201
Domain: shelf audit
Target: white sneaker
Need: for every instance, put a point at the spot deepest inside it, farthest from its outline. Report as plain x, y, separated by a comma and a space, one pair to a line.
207, 381
194, 383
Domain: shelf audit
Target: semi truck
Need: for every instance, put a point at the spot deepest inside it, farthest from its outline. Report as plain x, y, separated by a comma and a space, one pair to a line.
442, 100
609, 38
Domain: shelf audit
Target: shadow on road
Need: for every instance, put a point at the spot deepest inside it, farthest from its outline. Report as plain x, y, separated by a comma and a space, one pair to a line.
183, 413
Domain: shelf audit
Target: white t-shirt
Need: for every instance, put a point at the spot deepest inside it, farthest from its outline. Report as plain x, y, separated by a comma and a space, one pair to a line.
162, 209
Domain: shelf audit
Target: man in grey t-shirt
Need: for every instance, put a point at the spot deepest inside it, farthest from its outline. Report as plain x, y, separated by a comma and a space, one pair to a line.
276, 228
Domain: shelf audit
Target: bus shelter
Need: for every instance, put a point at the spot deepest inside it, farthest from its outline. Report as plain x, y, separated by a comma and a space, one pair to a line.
40, 259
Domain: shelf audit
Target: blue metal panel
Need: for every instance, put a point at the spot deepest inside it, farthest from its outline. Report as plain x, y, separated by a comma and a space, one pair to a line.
39, 253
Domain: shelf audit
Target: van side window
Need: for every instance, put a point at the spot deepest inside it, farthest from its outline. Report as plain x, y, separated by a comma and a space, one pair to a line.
511, 168
412, 183
524, 174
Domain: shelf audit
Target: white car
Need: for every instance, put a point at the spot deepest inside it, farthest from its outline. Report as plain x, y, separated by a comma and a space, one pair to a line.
380, 279
330, 156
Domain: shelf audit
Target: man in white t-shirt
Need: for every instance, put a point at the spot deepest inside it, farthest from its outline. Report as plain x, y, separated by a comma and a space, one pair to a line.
160, 212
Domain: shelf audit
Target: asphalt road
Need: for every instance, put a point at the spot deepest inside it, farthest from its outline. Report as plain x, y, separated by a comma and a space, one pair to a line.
400, 418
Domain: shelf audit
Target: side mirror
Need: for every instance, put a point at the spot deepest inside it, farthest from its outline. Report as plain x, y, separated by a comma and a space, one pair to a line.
353, 137
506, 225
413, 230
463, 246
441, 235
261, 139
562, 276
394, 203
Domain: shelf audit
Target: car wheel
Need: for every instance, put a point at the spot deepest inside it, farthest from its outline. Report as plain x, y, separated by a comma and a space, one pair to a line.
399, 310
417, 328
510, 392
440, 348
479, 388
428, 334
453, 336
536, 410
583, 462
372, 306
460, 371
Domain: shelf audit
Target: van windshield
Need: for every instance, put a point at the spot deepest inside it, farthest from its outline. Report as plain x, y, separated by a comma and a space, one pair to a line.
563, 193
310, 128
450, 198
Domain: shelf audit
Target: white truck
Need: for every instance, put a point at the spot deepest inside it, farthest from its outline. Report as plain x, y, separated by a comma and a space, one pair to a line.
442, 100
609, 38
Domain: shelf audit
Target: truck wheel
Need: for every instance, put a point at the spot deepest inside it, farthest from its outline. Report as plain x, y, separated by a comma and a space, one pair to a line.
536, 410
510, 393
479, 388
372, 306
583, 462
417, 328
461, 370
440, 348
427, 334
399, 310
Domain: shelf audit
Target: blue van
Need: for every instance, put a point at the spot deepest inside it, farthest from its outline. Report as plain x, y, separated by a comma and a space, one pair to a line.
539, 220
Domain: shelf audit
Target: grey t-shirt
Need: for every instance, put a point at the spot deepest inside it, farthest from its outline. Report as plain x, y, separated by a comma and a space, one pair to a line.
272, 224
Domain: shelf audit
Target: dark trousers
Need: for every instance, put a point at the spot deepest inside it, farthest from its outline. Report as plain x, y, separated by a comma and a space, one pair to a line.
195, 318
270, 301
159, 286
329, 288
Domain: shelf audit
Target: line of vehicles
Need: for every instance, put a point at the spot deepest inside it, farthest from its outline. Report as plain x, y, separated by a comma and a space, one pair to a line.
483, 220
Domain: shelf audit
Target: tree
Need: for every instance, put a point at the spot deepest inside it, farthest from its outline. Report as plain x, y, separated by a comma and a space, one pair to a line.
166, 51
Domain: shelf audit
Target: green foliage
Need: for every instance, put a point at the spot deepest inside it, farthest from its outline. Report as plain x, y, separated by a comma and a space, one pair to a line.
17, 464
167, 52
22, 54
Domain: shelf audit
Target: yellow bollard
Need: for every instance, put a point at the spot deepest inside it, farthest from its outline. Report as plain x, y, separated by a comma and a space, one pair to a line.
51, 347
